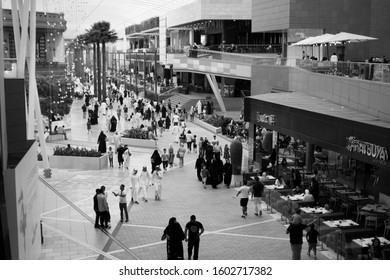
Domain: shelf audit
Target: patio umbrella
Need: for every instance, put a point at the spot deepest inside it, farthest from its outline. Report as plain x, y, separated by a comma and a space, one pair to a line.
345, 37
320, 40
304, 43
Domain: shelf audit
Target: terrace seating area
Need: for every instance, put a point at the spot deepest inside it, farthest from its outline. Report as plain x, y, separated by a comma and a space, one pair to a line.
347, 220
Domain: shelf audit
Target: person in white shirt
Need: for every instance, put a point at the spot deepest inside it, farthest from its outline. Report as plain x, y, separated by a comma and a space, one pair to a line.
117, 140
122, 202
144, 182
244, 191
175, 119
189, 139
126, 157
308, 197
157, 176
134, 182
334, 58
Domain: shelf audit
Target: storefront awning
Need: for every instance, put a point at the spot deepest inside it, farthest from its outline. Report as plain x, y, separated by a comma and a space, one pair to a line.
322, 123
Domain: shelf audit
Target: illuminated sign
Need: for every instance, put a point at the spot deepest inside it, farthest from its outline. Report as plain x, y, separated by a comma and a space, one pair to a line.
264, 118
375, 151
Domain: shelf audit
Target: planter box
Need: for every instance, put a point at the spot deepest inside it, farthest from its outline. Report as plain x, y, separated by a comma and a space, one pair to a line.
85, 163
55, 137
143, 143
209, 127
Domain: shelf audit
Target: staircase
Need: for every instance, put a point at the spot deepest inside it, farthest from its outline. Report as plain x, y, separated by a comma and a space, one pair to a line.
186, 101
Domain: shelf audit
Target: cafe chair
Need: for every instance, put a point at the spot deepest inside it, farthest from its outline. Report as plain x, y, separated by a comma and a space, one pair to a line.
371, 199
386, 254
360, 214
347, 206
373, 220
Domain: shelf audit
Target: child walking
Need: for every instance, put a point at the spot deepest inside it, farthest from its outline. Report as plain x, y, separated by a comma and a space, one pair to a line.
111, 156
204, 173
164, 159
311, 237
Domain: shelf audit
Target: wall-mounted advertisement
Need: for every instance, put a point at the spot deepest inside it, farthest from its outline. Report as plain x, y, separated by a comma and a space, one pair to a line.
23, 202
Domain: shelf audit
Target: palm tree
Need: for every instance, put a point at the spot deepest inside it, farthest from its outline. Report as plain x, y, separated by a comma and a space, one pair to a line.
93, 37
106, 36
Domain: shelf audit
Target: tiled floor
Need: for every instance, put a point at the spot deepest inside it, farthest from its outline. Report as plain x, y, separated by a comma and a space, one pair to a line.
69, 235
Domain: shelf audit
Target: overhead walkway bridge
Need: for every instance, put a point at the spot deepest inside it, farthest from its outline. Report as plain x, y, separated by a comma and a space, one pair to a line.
224, 64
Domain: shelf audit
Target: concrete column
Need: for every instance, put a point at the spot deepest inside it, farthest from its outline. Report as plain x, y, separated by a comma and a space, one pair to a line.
193, 78
191, 38
309, 156
223, 86
251, 141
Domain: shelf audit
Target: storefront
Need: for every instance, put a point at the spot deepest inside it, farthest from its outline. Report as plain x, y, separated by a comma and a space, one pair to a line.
317, 122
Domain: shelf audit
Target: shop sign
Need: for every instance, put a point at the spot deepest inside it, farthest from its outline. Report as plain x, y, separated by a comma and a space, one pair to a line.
264, 118
375, 151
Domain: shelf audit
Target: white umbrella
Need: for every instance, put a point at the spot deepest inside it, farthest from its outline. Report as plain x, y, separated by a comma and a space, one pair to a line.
321, 39
304, 42
343, 37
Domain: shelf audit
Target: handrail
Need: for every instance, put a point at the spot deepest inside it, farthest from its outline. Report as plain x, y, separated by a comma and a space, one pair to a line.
71, 204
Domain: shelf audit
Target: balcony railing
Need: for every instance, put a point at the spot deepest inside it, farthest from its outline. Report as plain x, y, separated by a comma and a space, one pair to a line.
378, 72
268, 59
241, 48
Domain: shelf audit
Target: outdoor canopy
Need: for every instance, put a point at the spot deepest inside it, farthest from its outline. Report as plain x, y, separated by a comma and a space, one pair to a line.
327, 38
343, 37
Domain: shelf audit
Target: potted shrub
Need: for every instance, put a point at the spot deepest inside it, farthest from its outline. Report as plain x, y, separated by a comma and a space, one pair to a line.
137, 137
78, 158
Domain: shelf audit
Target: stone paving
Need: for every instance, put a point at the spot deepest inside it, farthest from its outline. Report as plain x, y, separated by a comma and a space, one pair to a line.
68, 235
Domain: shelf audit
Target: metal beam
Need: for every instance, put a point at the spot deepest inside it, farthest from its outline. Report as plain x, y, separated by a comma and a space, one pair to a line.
214, 86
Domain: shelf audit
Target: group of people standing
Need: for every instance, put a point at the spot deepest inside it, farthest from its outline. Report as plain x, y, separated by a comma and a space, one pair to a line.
209, 166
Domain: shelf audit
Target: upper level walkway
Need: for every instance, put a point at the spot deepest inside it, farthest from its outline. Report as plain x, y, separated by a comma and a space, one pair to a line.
239, 65
233, 65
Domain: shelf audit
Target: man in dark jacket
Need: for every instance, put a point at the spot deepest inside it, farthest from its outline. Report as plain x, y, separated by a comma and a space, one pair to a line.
96, 208
198, 166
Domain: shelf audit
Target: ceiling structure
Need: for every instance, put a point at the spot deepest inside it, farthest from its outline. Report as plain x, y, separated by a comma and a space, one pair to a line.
81, 14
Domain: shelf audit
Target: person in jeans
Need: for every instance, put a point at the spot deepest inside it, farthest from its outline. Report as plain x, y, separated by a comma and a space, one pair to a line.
104, 213
295, 230
122, 202
257, 191
194, 230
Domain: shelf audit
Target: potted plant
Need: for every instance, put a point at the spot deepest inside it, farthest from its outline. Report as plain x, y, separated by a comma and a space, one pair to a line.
78, 158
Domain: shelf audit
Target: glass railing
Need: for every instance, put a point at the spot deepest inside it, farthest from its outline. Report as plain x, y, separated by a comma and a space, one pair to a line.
262, 59
241, 48
378, 72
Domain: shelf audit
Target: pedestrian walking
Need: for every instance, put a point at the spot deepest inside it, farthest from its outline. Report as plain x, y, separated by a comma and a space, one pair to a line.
104, 213
311, 238
180, 154
89, 125
157, 176
198, 166
96, 208
110, 154
295, 230
205, 175
244, 191
192, 233
120, 151
164, 159
102, 139
257, 191
122, 202
126, 157
134, 182
171, 155
144, 182
174, 235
